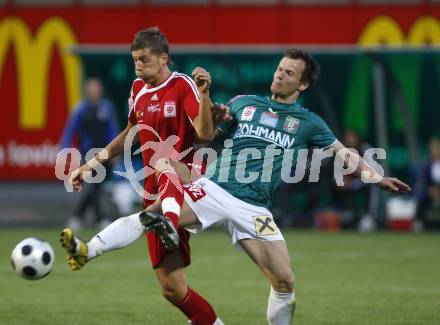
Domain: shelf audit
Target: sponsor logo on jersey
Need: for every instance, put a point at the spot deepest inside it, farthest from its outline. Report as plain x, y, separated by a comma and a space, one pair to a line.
269, 119
260, 132
248, 113
169, 109
195, 191
265, 226
291, 124
154, 97
154, 108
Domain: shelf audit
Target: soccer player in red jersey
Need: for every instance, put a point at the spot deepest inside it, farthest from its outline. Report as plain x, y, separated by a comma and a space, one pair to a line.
163, 105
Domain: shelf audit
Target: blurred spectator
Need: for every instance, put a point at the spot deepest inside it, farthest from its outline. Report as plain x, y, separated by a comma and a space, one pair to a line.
429, 185
92, 124
354, 198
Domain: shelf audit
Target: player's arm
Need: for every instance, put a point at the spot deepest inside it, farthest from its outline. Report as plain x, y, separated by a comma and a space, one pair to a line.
204, 123
112, 150
389, 184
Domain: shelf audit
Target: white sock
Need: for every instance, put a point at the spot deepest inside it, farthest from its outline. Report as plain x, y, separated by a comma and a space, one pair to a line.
218, 321
280, 307
118, 234
170, 204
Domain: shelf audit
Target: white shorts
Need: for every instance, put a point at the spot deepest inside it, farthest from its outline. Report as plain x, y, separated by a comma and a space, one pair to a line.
213, 205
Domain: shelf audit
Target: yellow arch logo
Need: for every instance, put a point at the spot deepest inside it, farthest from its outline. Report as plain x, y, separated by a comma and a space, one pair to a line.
384, 30
33, 59
425, 30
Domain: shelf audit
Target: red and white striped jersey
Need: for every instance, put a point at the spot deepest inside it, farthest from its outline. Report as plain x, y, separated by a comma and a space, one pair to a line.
167, 110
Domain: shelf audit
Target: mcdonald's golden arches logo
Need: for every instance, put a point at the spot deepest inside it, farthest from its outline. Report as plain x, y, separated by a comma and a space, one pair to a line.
33, 59
384, 30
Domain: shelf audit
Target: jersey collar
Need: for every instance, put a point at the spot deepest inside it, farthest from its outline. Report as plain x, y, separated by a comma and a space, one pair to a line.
161, 85
277, 105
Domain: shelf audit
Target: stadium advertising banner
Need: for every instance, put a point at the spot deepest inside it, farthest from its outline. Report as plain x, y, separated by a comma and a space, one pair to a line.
40, 80
39, 83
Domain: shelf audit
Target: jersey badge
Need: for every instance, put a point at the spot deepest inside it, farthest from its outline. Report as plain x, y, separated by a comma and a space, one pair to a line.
169, 109
195, 191
248, 113
269, 119
291, 124
264, 226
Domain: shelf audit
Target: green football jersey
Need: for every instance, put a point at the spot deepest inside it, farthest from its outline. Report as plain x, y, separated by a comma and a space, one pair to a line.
262, 133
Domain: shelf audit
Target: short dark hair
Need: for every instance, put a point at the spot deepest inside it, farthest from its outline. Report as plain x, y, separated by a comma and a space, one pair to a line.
151, 38
311, 67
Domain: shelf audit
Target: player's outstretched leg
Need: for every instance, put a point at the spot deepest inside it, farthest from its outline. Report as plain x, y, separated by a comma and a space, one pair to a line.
119, 234
155, 221
273, 259
75, 248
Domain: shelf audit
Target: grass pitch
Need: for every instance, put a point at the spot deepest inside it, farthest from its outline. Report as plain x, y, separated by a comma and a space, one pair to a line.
342, 278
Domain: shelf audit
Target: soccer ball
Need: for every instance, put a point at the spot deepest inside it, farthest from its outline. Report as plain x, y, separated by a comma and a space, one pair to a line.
32, 258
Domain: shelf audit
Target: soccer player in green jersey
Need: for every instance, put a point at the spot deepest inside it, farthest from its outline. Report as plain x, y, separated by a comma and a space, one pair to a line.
264, 134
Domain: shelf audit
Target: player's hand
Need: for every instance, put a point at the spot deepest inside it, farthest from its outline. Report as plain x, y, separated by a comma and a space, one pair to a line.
394, 185
76, 178
202, 79
220, 114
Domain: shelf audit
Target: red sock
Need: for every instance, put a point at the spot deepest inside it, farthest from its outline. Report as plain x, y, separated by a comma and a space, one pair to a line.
197, 309
171, 195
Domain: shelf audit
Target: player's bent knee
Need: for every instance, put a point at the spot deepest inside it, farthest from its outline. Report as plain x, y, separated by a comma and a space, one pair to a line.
284, 282
163, 164
283, 286
174, 293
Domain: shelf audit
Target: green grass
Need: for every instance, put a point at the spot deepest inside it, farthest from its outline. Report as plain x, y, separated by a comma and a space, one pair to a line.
343, 278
